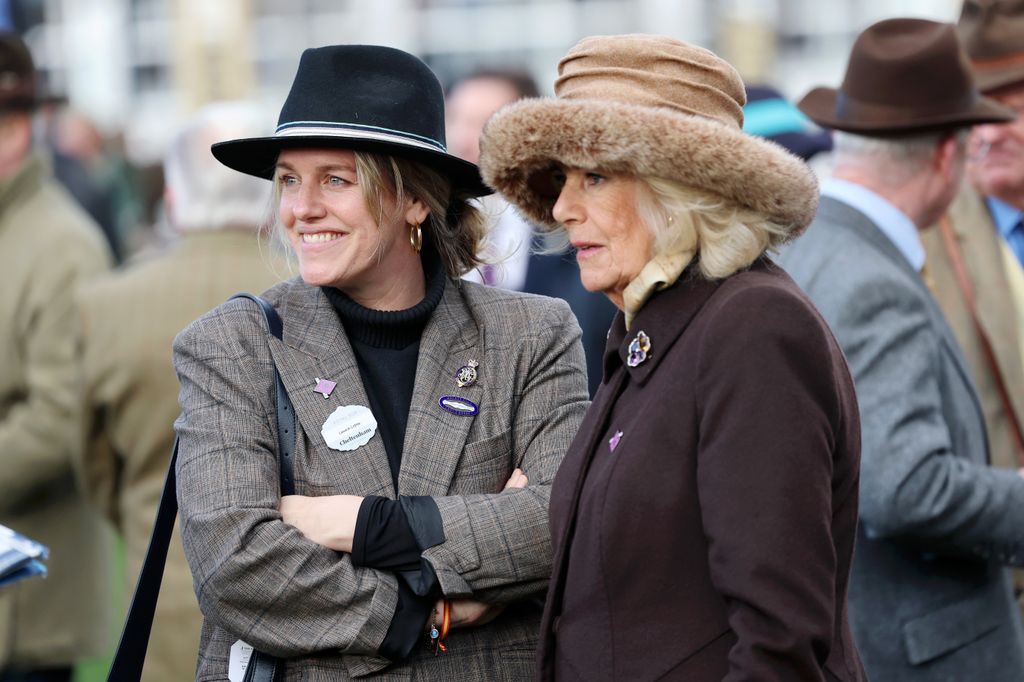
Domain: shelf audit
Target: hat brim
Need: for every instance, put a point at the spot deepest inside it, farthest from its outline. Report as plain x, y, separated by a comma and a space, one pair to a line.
258, 156
522, 140
996, 78
820, 106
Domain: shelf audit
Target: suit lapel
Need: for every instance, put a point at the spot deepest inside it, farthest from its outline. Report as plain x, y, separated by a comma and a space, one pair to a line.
982, 247
851, 219
434, 437
315, 346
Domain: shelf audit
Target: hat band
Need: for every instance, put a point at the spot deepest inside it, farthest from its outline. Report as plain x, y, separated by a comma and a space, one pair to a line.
354, 131
998, 62
849, 109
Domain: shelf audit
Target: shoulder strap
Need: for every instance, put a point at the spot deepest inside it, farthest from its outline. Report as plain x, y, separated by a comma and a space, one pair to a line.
285, 412
131, 650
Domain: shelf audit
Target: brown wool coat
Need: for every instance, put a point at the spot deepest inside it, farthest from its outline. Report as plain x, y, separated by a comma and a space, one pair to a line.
715, 540
47, 246
130, 394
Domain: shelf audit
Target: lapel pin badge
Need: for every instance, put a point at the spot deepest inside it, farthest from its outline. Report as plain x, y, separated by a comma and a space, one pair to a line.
467, 374
453, 404
325, 387
613, 442
639, 347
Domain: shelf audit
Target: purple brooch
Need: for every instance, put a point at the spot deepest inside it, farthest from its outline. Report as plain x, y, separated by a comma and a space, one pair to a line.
453, 404
324, 387
613, 442
638, 349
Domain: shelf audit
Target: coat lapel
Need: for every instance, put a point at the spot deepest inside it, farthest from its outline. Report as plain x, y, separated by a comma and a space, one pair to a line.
434, 437
315, 346
981, 245
857, 222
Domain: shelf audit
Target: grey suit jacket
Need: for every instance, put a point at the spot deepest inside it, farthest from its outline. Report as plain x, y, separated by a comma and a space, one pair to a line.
260, 580
929, 597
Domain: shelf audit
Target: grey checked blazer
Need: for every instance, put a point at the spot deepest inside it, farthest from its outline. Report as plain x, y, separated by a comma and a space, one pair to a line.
929, 597
260, 580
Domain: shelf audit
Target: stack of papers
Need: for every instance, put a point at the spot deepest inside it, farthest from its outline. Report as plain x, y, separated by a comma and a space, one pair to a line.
20, 557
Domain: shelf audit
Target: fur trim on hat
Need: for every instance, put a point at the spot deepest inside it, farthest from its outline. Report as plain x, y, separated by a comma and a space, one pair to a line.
524, 138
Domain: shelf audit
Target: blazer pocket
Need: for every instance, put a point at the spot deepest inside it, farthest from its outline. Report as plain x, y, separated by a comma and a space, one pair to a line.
946, 629
484, 465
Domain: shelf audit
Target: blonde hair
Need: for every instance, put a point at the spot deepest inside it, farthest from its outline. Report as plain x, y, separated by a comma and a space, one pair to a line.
454, 226
724, 236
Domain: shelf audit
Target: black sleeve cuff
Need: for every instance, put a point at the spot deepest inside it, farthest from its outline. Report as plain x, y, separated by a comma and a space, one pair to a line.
391, 534
407, 625
382, 538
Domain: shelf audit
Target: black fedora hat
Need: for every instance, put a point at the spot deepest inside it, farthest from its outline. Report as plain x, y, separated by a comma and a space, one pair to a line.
364, 98
20, 89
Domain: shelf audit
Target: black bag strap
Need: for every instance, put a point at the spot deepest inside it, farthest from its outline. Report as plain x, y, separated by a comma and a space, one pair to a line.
285, 412
131, 650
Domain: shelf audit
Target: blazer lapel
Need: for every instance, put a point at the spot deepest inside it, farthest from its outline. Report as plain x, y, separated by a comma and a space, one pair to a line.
315, 346
434, 437
852, 219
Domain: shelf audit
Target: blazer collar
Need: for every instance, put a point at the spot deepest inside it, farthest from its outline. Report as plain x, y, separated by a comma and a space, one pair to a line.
663, 319
315, 346
849, 218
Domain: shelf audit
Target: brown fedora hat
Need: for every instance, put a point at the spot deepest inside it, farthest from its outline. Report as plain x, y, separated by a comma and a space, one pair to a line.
905, 76
992, 32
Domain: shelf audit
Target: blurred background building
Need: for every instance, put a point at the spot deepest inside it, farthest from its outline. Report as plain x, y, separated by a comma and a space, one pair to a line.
137, 68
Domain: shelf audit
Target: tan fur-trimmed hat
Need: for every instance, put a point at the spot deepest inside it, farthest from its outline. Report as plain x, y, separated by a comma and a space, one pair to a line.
648, 106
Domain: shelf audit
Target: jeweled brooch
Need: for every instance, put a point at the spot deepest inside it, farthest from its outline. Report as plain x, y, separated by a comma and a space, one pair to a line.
639, 347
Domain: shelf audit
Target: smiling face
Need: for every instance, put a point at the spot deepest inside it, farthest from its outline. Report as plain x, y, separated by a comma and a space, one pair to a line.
599, 212
997, 152
337, 240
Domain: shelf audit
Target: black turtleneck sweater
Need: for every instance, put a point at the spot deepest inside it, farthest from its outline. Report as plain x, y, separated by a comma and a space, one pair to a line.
386, 345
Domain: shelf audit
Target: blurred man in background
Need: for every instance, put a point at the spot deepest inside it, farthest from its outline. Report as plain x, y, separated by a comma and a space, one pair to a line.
974, 252
930, 599
48, 245
129, 320
469, 103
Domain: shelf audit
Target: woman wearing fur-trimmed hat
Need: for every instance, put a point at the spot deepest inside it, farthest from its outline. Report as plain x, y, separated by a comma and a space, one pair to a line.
704, 517
431, 413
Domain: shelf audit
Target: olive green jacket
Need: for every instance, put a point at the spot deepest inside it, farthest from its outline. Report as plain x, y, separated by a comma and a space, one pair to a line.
129, 321
47, 246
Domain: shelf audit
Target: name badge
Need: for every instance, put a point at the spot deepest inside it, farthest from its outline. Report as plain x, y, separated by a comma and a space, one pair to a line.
241, 654
349, 427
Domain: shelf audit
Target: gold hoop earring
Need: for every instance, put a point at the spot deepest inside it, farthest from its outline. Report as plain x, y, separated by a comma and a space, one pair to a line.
416, 237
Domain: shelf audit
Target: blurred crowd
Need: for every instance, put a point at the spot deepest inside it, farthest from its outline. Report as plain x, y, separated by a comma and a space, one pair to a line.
102, 263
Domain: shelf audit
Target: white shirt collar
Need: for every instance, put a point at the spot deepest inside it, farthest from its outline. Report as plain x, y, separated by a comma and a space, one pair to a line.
894, 223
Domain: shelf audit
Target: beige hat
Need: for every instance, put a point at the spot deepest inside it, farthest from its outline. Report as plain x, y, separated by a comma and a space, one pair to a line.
648, 106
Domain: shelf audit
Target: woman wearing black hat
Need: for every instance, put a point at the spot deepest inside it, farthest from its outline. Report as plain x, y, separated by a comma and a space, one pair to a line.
431, 413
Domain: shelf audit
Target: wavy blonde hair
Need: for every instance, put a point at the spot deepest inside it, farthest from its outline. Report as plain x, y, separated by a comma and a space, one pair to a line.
455, 225
723, 236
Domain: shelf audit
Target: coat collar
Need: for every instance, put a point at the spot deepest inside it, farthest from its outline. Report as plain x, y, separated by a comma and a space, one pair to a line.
24, 182
849, 218
663, 319
315, 346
